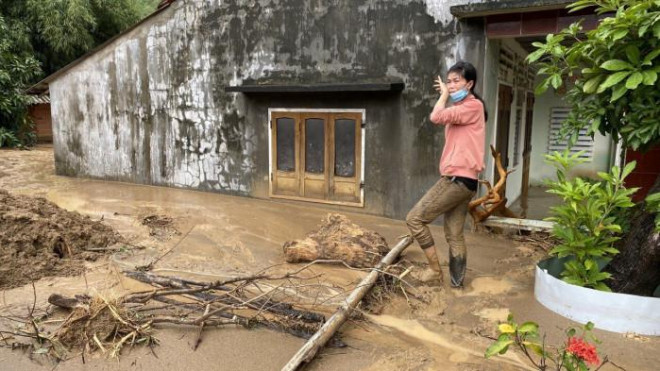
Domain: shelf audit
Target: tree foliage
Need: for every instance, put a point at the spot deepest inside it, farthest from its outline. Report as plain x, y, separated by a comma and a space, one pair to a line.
611, 72
37, 37
610, 75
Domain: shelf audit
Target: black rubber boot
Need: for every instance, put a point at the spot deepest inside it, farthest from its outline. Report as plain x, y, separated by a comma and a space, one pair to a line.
457, 266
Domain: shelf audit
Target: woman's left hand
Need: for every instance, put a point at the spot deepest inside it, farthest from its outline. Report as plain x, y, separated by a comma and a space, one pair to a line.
440, 86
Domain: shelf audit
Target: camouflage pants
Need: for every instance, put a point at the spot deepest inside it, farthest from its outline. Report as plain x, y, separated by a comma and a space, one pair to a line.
450, 198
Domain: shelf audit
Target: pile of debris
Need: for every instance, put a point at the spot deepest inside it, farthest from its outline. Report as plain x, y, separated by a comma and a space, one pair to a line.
106, 325
39, 239
338, 239
289, 301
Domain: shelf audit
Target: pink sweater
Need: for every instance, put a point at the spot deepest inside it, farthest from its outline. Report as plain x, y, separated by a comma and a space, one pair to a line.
465, 137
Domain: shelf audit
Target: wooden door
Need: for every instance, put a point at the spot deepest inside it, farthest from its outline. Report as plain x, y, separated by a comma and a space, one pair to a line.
315, 142
346, 157
285, 154
317, 156
504, 101
527, 151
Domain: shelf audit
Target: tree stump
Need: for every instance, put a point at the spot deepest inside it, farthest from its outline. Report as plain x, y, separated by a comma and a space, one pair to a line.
338, 239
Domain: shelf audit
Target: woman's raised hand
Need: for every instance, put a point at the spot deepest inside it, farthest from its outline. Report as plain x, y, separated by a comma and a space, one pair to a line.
440, 86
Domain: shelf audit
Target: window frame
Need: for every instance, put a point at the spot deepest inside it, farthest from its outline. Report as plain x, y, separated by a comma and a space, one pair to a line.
360, 155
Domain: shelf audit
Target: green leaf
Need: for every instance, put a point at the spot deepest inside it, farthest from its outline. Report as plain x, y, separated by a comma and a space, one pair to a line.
619, 34
543, 86
602, 287
536, 348
591, 84
567, 363
579, 5
655, 197
595, 124
628, 169
616, 65
588, 264
634, 80
618, 92
632, 52
528, 327
612, 80
497, 347
650, 77
648, 59
556, 81
535, 56
589, 326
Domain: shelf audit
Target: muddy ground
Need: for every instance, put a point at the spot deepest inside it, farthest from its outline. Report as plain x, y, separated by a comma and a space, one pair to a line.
213, 236
39, 239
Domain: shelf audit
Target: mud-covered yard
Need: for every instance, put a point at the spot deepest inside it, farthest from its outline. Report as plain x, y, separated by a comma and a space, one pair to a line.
94, 229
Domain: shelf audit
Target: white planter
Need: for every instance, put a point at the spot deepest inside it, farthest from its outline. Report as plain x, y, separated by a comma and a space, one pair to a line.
608, 311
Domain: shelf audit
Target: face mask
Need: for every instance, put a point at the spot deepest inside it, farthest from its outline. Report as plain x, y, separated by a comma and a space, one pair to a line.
459, 95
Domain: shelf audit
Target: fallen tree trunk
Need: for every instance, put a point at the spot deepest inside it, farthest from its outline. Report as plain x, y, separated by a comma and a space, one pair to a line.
316, 342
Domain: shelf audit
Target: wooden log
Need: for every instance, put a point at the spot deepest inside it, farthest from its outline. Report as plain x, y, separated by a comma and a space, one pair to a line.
519, 224
316, 342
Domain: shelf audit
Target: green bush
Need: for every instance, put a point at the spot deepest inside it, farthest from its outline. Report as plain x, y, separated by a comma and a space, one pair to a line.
586, 223
8, 139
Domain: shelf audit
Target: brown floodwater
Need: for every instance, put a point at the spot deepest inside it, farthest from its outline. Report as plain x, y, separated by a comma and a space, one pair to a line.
216, 236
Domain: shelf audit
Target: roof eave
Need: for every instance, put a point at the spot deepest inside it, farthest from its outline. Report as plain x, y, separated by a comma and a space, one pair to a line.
504, 7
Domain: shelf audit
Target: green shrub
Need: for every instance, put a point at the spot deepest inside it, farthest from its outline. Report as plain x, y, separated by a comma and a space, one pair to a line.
586, 223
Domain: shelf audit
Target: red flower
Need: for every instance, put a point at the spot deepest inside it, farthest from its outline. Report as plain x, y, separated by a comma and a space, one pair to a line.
583, 350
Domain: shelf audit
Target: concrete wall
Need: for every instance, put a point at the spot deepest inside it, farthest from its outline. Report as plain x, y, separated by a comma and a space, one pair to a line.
540, 171
151, 108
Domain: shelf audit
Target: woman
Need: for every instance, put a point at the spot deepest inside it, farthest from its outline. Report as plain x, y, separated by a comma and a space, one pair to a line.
460, 164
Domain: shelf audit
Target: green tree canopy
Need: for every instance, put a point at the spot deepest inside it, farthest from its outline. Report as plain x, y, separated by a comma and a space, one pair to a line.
611, 72
38, 37
611, 78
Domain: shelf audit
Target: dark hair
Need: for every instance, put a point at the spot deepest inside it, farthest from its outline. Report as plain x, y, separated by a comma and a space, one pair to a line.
469, 73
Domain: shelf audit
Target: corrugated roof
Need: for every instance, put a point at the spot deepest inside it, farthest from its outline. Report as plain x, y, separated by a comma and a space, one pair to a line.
39, 99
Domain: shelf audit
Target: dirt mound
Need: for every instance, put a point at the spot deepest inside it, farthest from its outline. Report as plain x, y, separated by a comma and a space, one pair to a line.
38, 239
338, 239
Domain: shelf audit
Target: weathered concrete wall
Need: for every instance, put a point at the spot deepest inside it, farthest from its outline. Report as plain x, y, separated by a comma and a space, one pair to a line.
151, 108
